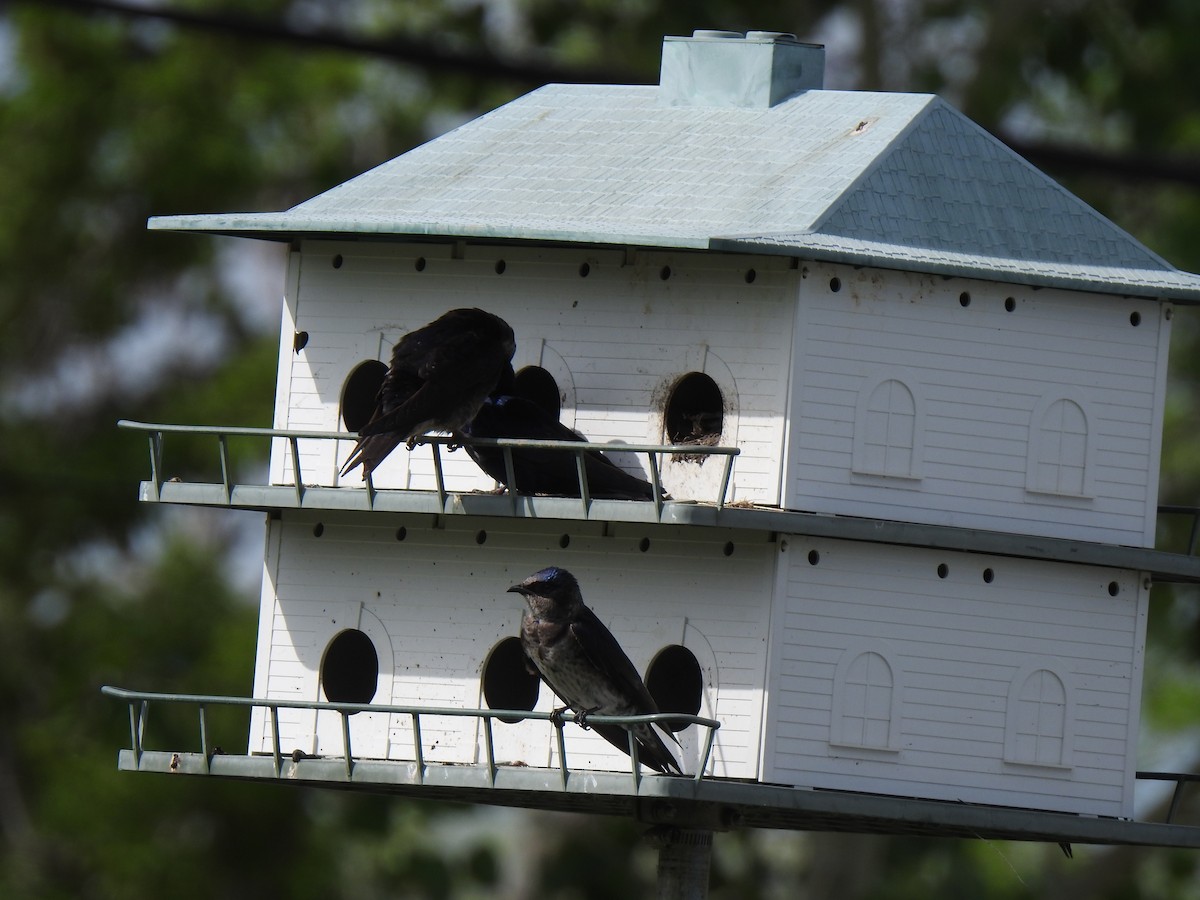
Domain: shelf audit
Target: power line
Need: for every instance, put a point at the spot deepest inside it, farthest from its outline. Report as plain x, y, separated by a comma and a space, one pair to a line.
475, 62
483, 64
1129, 167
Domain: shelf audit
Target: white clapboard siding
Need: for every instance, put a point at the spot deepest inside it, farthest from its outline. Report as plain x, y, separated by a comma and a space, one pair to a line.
616, 341
979, 373
957, 643
436, 602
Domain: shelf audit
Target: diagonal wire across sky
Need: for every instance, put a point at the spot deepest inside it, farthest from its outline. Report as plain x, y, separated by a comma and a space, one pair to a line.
534, 70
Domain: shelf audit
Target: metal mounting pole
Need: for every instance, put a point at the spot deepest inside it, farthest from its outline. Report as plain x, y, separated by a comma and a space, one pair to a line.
684, 857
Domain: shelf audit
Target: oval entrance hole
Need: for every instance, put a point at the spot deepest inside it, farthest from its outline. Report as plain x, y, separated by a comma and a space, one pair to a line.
538, 386
360, 392
695, 411
676, 682
507, 683
350, 668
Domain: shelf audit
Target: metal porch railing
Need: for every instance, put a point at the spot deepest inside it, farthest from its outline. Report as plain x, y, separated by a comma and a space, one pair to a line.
1179, 778
691, 801
139, 706
156, 435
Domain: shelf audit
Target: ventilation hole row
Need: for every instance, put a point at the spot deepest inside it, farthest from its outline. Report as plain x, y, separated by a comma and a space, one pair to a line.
665, 273
564, 540
964, 299
989, 574
943, 570
585, 269
481, 535
420, 264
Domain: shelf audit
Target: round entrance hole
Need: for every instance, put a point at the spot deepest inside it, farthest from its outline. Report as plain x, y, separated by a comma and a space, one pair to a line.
695, 411
507, 681
350, 668
360, 392
676, 683
538, 386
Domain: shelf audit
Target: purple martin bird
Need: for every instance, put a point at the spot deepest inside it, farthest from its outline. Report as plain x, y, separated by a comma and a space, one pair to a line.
585, 666
439, 376
553, 472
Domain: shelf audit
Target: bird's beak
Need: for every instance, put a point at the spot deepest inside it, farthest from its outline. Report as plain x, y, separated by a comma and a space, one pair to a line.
518, 589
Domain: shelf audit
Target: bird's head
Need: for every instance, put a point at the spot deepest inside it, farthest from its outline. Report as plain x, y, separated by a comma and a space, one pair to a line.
551, 589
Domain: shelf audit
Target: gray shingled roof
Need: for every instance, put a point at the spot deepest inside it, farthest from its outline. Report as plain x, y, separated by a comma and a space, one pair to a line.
893, 180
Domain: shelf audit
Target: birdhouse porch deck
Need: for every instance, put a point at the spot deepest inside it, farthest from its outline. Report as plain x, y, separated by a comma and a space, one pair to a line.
478, 533
701, 802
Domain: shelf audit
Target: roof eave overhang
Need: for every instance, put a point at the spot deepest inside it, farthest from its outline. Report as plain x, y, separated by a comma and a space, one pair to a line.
1163, 285
270, 227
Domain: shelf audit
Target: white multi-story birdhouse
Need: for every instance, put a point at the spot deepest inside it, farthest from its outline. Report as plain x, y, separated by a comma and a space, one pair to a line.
905, 394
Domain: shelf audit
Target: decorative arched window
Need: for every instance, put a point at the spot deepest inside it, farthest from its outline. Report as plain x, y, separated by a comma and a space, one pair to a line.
888, 428
866, 700
1038, 730
1059, 448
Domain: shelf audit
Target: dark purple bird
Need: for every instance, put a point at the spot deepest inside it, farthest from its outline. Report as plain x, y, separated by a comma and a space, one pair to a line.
553, 472
583, 664
439, 376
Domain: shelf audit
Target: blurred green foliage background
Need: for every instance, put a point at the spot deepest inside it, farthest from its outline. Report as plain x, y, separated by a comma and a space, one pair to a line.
108, 117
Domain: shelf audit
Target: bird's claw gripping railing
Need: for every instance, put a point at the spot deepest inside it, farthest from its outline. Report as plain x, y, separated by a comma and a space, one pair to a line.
139, 704
156, 435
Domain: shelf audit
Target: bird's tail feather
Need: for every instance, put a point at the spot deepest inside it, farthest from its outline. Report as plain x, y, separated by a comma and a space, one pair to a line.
652, 751
370, 452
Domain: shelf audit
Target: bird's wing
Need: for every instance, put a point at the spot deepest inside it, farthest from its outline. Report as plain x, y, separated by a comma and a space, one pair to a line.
398, 387
517, 417
464, 345
546, 471
607, 480
603, 651
443, 383
466, 351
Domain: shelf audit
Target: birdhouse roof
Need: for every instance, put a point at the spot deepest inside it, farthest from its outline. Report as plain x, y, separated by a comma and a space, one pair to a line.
884, 179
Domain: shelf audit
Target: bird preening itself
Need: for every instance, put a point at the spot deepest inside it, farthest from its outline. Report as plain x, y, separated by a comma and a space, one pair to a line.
439, 376
542, 471
577, 656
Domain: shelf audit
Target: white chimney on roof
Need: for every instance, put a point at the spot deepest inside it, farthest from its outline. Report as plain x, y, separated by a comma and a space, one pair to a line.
725, 68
